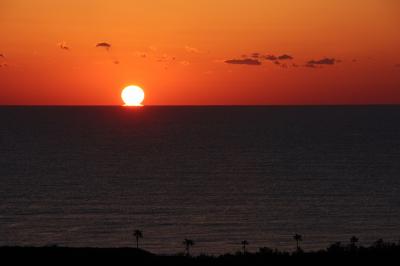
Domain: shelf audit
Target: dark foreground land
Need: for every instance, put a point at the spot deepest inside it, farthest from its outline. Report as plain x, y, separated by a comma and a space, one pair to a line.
336, 254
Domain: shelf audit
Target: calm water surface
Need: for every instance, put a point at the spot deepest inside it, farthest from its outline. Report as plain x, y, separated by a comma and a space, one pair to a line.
89, 176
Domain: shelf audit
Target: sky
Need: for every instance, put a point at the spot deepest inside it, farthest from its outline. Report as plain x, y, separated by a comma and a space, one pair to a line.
208, 52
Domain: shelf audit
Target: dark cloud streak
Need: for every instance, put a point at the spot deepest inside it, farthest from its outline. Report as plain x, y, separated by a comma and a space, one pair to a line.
104, 45
285, 57
275, 58
270, 57
324, 61
246, 61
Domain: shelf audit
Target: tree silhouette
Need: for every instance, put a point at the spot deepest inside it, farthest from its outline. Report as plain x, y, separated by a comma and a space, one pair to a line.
188, 243
379, 243
298, 239
244, 244
353, 241
137, 234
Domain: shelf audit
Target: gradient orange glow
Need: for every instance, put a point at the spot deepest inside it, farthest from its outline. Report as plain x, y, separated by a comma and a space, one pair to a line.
200, 52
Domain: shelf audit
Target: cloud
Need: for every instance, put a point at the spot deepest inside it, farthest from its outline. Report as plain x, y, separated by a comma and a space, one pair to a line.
191, 49
104, 45
285, 57
166, 58
63, 45
310, 65
270, 57
141, 54
324, 61
3, 57
184, 63
275, 58
246, 61
257, 58
153, 48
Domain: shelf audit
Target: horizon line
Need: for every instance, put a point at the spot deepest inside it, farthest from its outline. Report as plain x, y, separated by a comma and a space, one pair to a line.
200, 105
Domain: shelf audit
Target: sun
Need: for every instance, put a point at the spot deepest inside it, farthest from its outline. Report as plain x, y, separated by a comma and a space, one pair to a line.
132, 95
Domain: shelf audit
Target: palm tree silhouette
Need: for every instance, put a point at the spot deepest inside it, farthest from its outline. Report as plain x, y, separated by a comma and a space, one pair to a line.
188, 243
137, 234
244, 244
298, 239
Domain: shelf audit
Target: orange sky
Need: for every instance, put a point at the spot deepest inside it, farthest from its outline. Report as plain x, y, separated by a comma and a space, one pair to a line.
179, 51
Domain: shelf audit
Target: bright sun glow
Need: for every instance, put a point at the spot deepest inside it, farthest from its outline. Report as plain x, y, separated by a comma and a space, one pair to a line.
132, 95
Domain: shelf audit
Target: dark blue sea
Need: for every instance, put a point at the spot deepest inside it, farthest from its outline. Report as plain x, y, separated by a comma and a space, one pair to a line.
90, 176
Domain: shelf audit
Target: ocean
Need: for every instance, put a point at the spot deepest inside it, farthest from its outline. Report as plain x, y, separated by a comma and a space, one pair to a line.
90, 176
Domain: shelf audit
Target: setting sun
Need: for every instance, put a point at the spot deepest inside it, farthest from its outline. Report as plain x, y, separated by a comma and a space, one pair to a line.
132, 95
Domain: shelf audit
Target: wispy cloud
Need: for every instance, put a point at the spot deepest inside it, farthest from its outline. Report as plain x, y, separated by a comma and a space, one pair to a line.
184, 63
166, 58
153, 48
141, 54
63, 45
324, 61
155, 54
310, 65
191, 49
218, 61
246, 61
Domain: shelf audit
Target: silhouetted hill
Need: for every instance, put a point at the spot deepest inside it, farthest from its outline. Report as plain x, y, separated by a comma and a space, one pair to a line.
379, 253
74, 255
